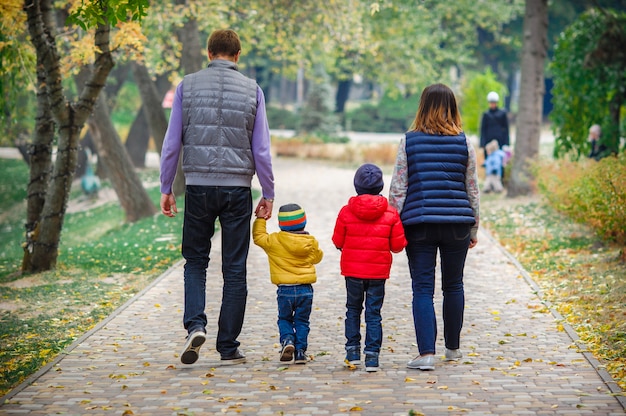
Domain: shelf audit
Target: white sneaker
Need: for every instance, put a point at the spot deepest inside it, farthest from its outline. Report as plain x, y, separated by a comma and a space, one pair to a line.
453, 355
426, 362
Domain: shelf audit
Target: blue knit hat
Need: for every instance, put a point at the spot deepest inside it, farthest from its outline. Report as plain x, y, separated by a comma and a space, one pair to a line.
368, 179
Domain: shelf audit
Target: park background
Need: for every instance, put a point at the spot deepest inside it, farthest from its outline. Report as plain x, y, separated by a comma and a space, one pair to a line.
342, 81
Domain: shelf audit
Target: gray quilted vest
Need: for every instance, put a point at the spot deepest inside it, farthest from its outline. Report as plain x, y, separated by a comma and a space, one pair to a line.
219, 109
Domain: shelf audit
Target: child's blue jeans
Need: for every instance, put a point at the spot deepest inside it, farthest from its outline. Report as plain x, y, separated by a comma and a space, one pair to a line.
372, 292
294, 309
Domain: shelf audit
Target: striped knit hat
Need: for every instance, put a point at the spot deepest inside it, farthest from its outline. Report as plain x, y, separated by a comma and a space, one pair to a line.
291, 217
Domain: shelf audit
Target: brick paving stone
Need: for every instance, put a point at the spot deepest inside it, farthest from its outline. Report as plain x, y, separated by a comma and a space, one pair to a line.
516, 361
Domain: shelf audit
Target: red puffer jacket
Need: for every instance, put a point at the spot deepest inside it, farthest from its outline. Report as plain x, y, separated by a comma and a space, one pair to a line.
366, 231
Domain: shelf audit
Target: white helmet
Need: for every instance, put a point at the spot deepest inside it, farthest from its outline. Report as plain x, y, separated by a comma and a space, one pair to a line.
493, 97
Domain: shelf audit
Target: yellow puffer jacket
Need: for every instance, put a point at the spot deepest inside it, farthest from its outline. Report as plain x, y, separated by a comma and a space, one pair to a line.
292, 256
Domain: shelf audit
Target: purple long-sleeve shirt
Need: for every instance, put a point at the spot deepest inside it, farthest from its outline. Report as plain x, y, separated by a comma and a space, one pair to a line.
173, 143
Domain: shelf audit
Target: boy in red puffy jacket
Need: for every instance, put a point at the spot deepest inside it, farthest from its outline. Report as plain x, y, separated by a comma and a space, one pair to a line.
367, 230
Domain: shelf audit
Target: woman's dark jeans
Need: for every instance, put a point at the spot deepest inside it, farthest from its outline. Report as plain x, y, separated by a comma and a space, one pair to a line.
452, 241
203, 206
372, 291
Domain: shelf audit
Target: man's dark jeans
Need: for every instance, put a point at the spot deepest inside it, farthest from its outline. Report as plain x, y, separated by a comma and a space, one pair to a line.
203, 206
294, 309
452, 241
372, 291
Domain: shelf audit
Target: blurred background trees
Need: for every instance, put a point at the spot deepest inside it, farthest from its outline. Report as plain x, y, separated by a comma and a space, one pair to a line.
378, 55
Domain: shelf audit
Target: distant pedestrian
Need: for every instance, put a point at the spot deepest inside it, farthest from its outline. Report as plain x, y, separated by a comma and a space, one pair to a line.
219, 123
292, 255
598, 150
494, 124
367, 230
435, 189
494, 164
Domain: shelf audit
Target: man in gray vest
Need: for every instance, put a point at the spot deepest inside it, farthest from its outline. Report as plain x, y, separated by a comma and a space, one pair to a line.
219, 122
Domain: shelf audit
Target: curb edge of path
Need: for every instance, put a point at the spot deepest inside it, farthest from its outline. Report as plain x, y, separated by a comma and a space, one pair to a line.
66, 351
608, 380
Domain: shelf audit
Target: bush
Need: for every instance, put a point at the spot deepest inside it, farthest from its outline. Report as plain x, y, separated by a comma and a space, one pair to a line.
473, 100
589, 192
280, 118
391, 114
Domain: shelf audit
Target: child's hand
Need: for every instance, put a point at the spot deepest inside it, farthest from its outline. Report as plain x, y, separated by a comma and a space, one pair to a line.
260, 212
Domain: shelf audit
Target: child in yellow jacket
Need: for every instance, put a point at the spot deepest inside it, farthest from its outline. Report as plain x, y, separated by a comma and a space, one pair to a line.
292, 254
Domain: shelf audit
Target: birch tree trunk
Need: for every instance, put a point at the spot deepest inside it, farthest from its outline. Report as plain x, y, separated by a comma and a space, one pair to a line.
531, 96
42, 251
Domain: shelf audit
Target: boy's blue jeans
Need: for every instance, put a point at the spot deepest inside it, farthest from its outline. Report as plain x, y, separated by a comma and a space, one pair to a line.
372, 291
294, 309
203, 206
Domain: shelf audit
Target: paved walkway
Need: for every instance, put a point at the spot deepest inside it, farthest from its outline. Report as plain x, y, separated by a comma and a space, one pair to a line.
516, 360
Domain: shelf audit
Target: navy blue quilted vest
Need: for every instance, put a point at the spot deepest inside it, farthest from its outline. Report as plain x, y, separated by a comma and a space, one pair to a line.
436, 192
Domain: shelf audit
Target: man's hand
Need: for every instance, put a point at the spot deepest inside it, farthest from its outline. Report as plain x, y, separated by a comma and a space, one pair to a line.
168, 205
264, 209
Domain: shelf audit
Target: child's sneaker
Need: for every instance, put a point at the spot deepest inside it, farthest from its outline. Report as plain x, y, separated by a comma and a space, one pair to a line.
371, 363
286, 353
353, 356
300, 357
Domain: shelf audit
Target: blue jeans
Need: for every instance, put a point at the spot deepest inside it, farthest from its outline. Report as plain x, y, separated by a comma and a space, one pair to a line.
452, 241
372, 291
203, 206
294, 309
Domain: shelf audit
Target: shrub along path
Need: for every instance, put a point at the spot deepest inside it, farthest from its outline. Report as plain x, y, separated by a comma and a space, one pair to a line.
516, 361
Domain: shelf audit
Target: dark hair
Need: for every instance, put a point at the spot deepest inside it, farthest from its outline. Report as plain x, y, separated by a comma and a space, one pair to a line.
224, 42
437, 112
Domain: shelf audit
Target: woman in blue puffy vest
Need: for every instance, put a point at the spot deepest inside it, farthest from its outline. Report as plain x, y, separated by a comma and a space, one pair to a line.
435, 189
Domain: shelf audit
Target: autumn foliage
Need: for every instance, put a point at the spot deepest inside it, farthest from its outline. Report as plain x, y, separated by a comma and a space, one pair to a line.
590, 192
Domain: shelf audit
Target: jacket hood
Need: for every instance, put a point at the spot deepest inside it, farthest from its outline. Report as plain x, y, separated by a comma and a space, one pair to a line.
368, 207
298, 244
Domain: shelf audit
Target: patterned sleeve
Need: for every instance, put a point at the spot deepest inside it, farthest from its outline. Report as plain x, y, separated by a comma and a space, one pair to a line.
400, 179
471, 186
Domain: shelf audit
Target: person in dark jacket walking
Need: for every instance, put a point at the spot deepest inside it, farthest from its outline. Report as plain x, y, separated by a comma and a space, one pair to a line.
218, 120
367, 230
435, 188
494, 124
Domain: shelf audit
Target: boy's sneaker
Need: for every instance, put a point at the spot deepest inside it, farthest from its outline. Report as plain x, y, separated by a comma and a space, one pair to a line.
371, 363
286, 353
300, 357
236, 358
453, 355
191, 350
353, 356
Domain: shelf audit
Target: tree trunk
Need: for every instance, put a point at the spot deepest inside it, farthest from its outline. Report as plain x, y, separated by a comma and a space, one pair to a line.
139, 135
531, 96
70, 117
151, 104
138, 139
40, 161
192, 61
132, 196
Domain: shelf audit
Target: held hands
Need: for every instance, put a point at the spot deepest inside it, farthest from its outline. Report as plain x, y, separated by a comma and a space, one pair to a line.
264, 209
168, 205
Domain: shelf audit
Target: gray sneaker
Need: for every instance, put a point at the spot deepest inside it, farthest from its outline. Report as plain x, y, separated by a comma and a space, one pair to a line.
453, 355
191, 350
426, 362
